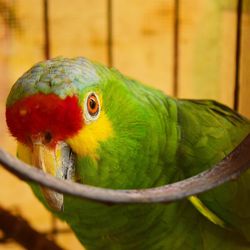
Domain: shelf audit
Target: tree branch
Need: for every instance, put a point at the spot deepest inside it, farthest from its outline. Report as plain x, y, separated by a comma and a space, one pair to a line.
229, 168
18, 229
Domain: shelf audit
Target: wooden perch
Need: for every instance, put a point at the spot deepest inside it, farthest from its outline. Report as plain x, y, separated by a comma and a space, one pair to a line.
229, 168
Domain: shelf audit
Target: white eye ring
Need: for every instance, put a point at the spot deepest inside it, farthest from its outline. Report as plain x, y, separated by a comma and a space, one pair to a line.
92, 107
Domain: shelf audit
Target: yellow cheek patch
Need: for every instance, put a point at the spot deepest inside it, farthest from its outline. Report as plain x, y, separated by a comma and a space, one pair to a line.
86, 142
24, 153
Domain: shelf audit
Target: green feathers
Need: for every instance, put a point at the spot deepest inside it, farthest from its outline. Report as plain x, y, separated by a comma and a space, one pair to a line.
147, 139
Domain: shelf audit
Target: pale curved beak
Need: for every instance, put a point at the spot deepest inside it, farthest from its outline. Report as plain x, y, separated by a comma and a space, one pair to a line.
59, 162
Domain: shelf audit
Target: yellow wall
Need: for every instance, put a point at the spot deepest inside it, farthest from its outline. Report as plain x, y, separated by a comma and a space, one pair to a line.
142, 47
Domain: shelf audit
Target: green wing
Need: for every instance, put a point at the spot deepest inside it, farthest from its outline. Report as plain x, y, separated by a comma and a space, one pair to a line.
209, 131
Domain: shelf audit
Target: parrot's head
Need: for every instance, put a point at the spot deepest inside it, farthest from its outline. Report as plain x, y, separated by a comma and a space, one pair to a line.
79, 121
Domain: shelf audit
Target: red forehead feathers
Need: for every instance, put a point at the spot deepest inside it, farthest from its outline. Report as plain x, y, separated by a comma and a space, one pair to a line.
42, 113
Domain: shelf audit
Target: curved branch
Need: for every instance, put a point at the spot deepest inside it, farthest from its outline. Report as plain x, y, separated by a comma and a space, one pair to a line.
229, 168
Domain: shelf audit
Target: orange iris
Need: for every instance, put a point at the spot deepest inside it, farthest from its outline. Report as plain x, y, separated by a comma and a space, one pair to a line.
92, 105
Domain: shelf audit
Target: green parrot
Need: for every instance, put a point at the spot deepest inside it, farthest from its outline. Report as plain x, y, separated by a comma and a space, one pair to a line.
83, 122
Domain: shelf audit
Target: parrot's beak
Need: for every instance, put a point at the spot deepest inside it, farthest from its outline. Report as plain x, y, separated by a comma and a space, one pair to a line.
57, 161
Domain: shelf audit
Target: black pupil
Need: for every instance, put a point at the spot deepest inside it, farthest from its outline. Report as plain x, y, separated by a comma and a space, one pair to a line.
92, 103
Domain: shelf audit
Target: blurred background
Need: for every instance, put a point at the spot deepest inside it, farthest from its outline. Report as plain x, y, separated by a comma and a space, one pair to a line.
187, 48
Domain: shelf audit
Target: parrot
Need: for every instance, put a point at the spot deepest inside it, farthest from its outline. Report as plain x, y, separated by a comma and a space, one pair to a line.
83, 122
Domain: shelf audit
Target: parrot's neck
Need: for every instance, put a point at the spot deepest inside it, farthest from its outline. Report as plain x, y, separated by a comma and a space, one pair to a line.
123, 227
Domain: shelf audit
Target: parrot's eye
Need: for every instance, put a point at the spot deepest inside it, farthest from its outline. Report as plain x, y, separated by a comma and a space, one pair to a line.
92, 107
